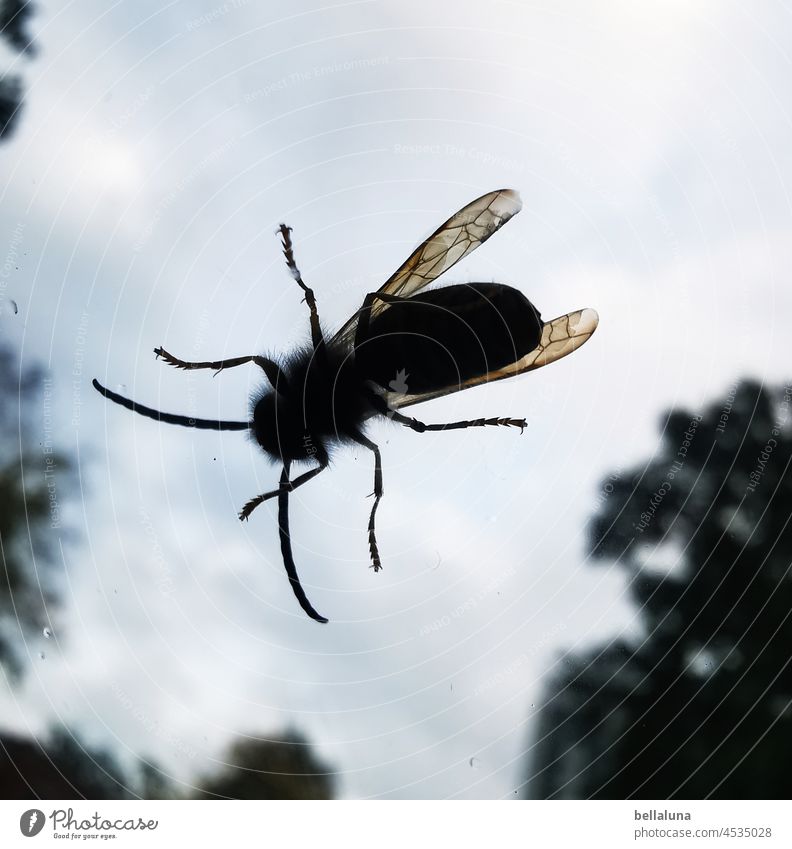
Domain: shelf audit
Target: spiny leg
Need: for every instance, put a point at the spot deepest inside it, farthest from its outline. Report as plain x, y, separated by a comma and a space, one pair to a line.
217, 365
378, 492
285, 486
286, 549
310, 299
381, 406
271, 369
420, 427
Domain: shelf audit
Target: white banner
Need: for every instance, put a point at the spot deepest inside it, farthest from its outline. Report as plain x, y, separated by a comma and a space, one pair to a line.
397, 824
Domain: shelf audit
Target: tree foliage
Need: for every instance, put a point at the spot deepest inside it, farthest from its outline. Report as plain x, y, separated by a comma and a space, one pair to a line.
700, 705
278, 768
58, 767
34, 481
14, 21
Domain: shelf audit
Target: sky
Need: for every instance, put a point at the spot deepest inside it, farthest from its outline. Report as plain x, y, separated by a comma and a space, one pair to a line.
160, 147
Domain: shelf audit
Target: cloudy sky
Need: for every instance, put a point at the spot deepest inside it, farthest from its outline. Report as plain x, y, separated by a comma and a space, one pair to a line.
160, 147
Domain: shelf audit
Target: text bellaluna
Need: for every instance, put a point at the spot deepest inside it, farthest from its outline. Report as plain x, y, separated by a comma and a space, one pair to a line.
662, 815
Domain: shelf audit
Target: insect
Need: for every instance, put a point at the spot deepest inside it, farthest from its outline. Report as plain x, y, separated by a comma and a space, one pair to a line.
405, 345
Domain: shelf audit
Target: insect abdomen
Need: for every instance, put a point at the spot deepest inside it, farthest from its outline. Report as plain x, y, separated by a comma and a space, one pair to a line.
446, 336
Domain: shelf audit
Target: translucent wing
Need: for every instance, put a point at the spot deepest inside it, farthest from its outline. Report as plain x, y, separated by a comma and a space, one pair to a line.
560, 337
462, 233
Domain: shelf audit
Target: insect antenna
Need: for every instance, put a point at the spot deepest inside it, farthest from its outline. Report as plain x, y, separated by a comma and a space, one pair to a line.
168, 418
286, 549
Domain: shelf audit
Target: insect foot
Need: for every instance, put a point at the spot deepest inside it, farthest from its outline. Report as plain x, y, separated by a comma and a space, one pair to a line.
376, 563
245, 512
169, 358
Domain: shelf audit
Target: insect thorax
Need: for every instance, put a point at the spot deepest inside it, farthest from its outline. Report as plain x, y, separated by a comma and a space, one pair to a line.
325, 403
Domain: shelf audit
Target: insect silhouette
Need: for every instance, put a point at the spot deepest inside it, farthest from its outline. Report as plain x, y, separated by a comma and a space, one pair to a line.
403, 346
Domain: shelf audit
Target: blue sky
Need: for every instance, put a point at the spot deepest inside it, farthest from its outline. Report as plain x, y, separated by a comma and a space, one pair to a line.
160, 148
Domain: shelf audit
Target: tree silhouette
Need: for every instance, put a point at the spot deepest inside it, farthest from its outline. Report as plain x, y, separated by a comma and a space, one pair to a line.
701, 704
279, 768
34, 480
58, 767
14, 21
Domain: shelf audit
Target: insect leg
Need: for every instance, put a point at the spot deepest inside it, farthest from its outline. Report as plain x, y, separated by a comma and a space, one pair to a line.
379, 403
378, 491
286, 549
420, 427
285, 486
310, 299
271, 369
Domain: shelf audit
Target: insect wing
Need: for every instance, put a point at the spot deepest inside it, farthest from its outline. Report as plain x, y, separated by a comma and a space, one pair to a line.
452, 241
560, 337
462, 233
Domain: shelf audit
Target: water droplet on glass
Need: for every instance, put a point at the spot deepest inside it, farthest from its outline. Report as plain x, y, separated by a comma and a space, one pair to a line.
474, 762
42, 655
47, 633
8, 305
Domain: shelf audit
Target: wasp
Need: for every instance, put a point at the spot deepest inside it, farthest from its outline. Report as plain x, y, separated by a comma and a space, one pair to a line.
405, 345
